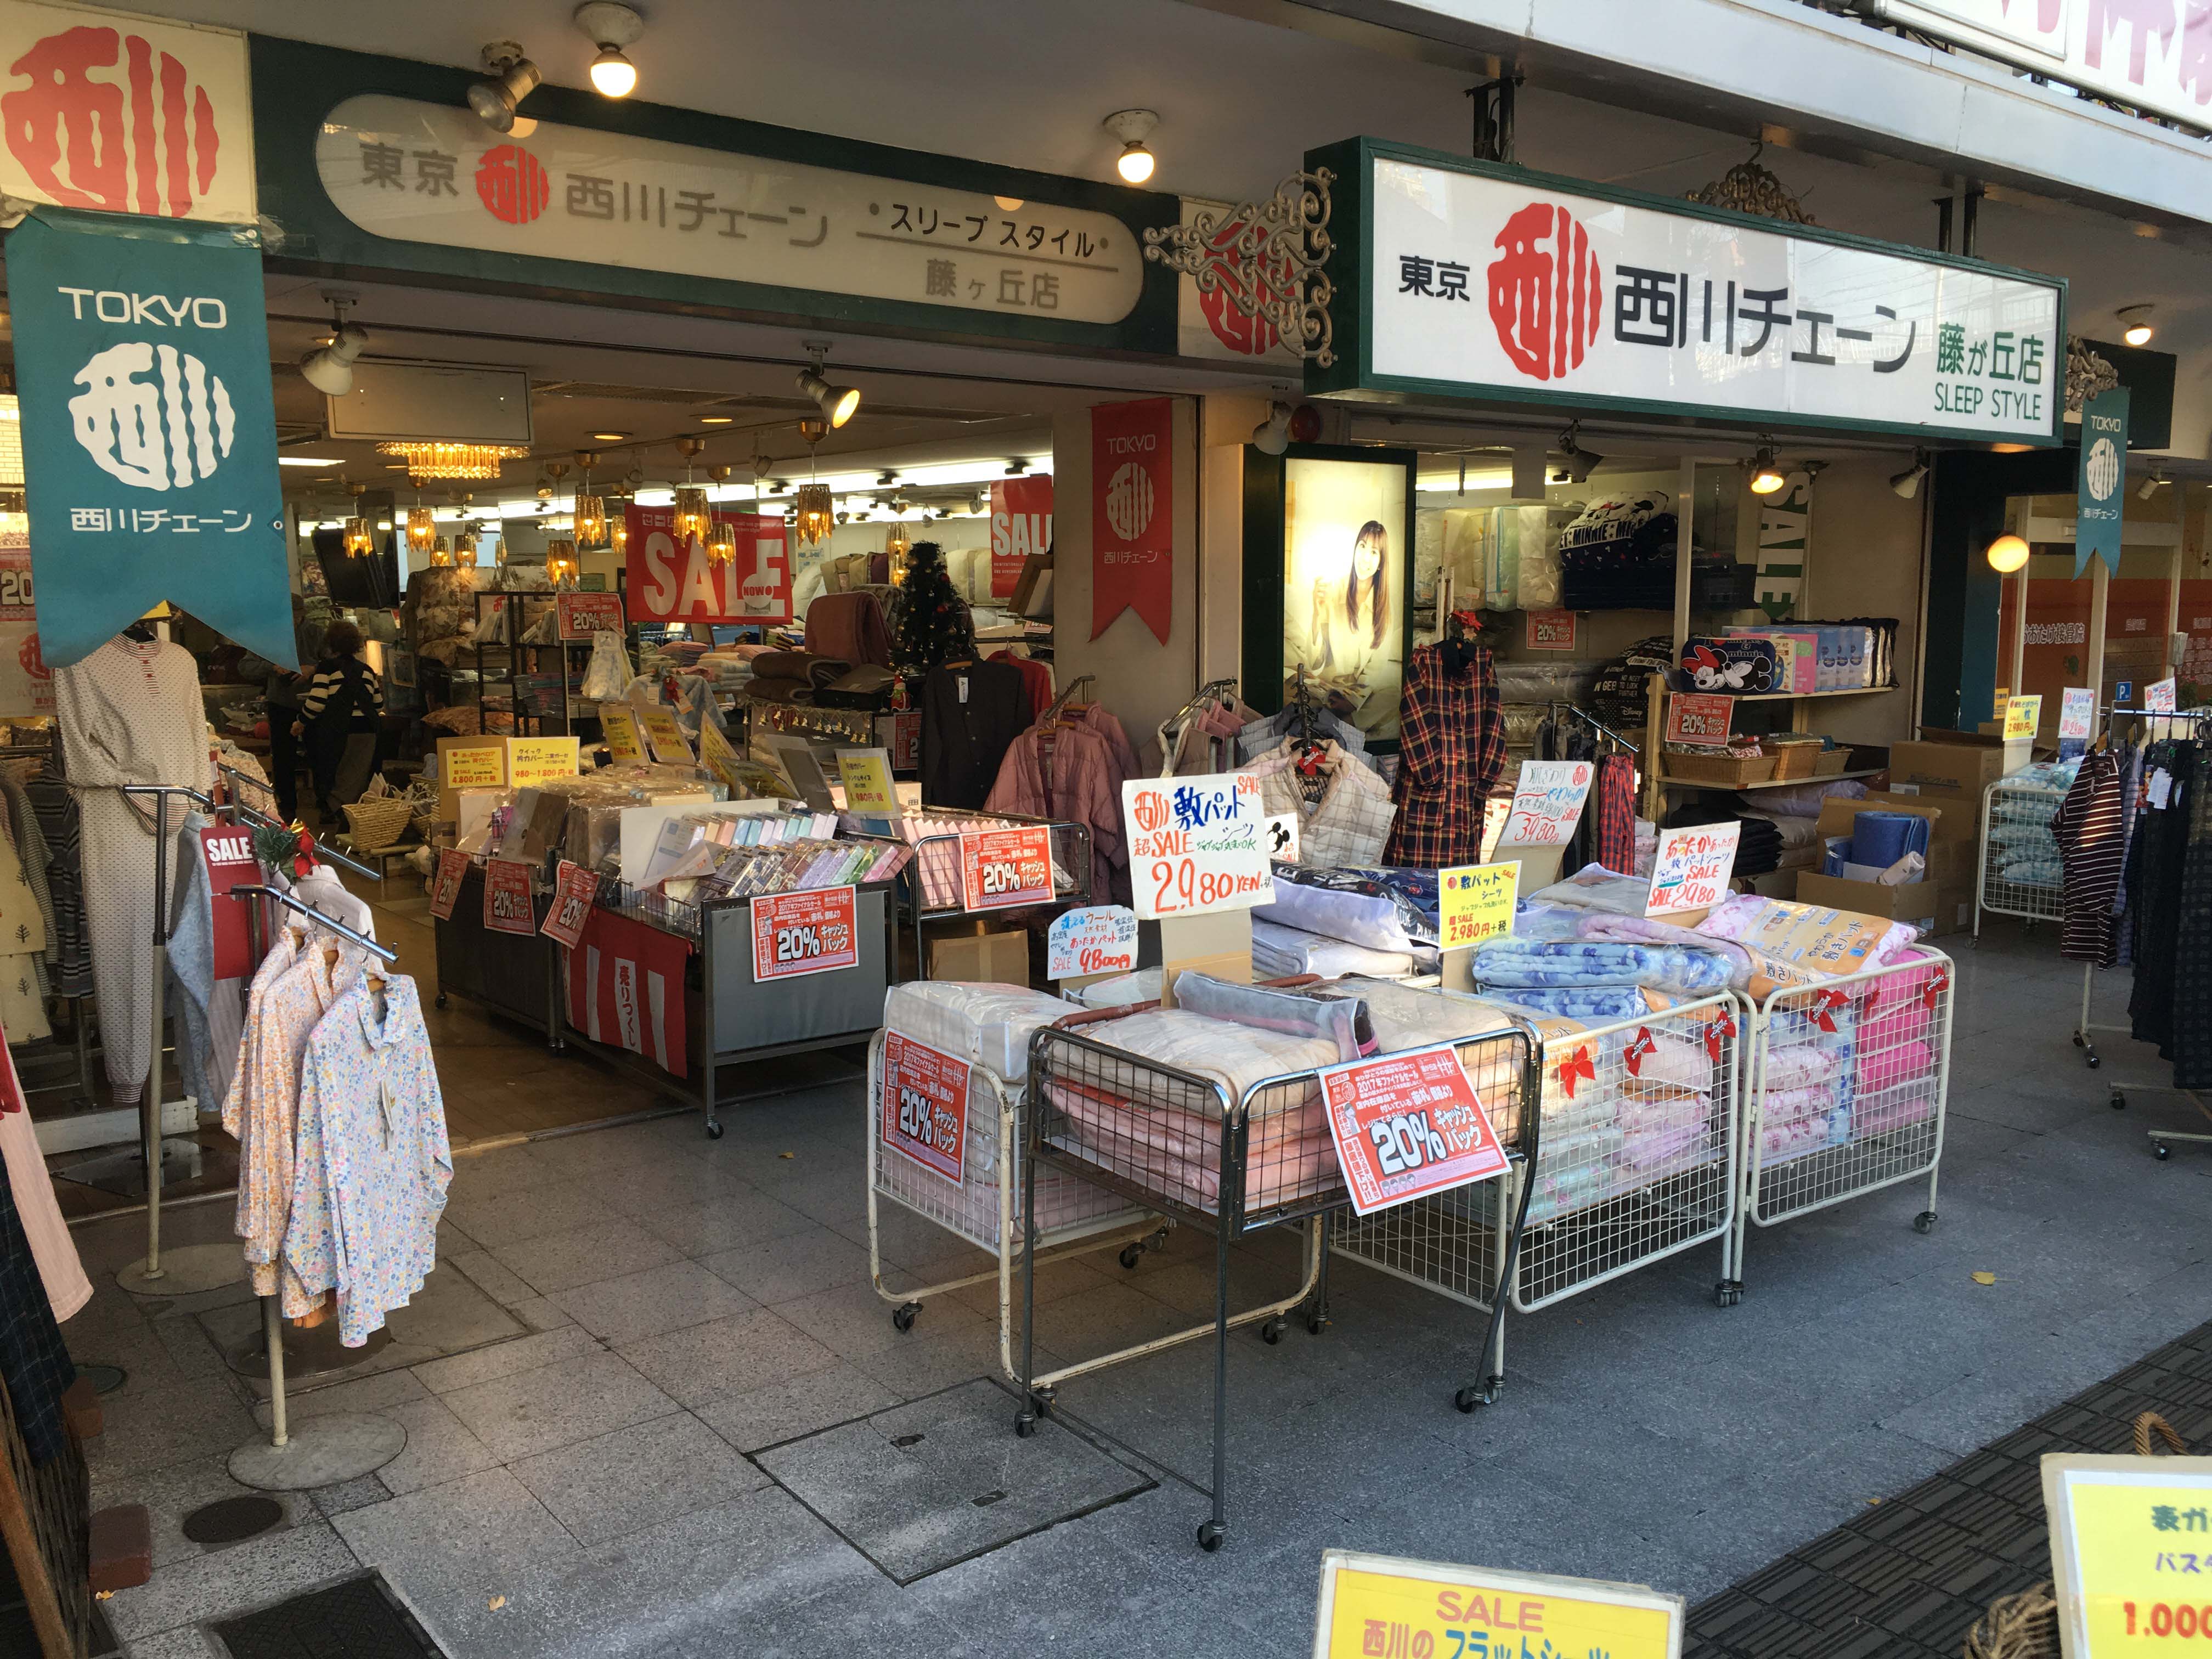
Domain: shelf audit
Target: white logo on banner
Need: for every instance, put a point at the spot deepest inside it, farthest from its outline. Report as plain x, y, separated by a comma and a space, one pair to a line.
147, 433
2103, 470
1129, 500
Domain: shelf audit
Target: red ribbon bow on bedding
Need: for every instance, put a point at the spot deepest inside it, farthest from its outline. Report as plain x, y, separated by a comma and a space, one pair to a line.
1721, 1024
1632, 1055
1576, 1065
1938, 983
1824, 1006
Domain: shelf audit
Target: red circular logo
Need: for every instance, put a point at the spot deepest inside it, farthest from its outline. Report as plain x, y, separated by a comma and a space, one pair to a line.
1252, 337
1546, 291
512, 185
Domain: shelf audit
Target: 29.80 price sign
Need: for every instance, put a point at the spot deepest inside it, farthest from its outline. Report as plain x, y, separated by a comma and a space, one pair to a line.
1196, 844
799, 933
1407, 1125
925, 1105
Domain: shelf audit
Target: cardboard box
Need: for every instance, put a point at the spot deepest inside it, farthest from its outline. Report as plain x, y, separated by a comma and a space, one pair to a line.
1954, 771
1954, 906
1953, 839
1917, 902
987, 959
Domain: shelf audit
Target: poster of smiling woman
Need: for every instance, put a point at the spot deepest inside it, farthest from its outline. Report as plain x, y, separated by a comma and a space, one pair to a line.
1346, 561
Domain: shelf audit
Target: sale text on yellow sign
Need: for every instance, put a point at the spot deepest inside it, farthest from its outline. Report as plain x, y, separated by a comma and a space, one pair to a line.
2131, 1551
1381, 1605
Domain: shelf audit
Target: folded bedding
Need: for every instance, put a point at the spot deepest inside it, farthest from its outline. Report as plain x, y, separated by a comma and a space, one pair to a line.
1593, 1005
988, 1025
1897, 1109
1278, 952
1646, 930
1778, 1143
1886, 1067
1511, 964
1800, 1066
1789, 1105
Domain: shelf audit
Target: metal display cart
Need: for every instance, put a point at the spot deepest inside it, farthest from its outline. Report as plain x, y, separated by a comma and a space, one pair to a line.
1875, 1048
2016, 817
933, 894
516, 974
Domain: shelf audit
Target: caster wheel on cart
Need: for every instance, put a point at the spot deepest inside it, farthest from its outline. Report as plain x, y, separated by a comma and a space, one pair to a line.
1470, 1396
1131, 1254
714, 1128
1024, 1425
1924, 1222
2119, 1102
1726, 1295
2094, 1062
902, 1317
2161, 1151
1316, 1323
1209, 1537
1272, 1332
439, 1001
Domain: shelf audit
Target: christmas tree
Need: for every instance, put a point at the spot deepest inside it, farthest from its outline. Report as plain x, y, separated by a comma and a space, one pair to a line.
933, 623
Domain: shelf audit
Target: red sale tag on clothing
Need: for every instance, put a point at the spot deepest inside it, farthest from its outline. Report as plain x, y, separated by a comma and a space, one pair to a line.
798, 934
572, 893
507, 906
1002, 868
446, 891
230, 860
1407, 1125
925, 1106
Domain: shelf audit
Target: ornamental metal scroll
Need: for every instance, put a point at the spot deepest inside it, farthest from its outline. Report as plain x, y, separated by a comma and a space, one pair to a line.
1265, 260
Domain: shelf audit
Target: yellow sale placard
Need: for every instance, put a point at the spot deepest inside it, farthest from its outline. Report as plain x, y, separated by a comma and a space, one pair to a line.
624, 741
866, 774
2131, 1549
1380, 1604
720, 758
1477, 903
534, 760
475, 769
2022, 715
670, 746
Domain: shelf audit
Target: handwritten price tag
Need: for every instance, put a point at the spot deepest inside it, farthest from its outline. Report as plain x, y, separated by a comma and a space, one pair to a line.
795, 934
1002, 868
2077, 711
1100, 939
507, 906
1547, 803
1196, 844
1407, 1125
867, 775
1699, 719
1477, 903
2158, 698
625, 741
925, 1106
573, 890
2022, 715
663, 731
1691, 869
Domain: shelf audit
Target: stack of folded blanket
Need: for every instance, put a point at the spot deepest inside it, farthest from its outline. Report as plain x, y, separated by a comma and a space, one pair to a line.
1594, 980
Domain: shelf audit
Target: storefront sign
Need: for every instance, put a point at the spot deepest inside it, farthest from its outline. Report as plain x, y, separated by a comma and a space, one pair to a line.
1132, 514
795, 934
925, 1106
1208, 322
433, 173
573, 890
583, 615
625, 739
1691, 869
507, 906
2077, 719
2159, 697
2021, 716
1196, 844
149, 428
664, 733
1407, 1126
1547, 803
2101, 497
673, 584
532, 761
1021, 523
1493, 283
27, 684
1551, 630
446, 890
1476, 903
2128, 1551
1382, 1604
867, 775
1100, 938
1699, 719
1785, 546
80, 80
1002, 868
717, 756
230, 860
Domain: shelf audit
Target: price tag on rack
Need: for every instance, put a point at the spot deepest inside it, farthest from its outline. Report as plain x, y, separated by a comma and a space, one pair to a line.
1476, 902
446, 890
2078, 713
1196, 844
1699, 719
625, 740
2021, 717
925, 1106
1691, 869
1100, 938
1547, 803
1372, 1604
1001, 869
666, 735
2128, 1542
2158, 698
795, 934
1407, 1126
583, 615
574, 889
507, 906
867, 775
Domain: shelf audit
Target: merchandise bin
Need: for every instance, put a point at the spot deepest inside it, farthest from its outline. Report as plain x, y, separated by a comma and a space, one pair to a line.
517, 975
1887, 1033
1074, 1215
933, 876
2008, 809
1637, 1163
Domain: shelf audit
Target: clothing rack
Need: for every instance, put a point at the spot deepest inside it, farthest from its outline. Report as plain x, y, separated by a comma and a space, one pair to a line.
1213, 691
1044, 722
1053, 708
1595, 724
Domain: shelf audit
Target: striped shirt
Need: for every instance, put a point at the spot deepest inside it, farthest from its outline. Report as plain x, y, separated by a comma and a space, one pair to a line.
328, 684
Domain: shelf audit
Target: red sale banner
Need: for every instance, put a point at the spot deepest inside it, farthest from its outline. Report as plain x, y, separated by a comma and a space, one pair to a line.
1021, 523
452, 870
1699, 719
230, 860
668, 583
583, 615
799, 933
925, 1105
1002, 868
1551, 630
1407, 1125
507, 906
574, 889
1132, 514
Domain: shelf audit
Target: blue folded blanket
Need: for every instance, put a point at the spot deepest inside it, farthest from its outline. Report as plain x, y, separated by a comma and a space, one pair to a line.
1594, 1005
1516, 963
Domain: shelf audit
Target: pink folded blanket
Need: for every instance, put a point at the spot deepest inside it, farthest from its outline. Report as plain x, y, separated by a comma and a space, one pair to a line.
1886, 1067
1780, 1142
1179, 1153
1782, 1106
1803, 1066
1871, 1118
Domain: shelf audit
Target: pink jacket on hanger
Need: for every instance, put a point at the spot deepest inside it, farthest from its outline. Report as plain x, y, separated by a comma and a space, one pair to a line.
1081, 793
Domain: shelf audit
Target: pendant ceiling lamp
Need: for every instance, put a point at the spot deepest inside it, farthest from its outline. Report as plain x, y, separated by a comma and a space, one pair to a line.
560, 563
358, 543
442, 556
464, 551
722, 534
813, 513
422, 529
590, 510
693, 510
442, 460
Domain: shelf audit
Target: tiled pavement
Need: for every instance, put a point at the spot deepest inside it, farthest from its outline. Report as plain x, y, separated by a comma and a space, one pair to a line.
594, 1484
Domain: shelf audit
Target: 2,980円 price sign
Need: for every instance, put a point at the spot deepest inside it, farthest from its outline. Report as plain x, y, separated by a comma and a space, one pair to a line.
925, 1105
1196, 844
1002, 868
799, 933
1407, 1125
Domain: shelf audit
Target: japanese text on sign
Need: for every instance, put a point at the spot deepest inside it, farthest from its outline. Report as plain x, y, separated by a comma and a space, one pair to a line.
1551, 630
474, 768
2077, 711
1002, 868
1407, 1126
663, 731
1196, 844
2021, 717
1476, 903
717, 755
625, 742
1382, 1605
798, 934
1691, 869
583, 615
574, 889
1100, 939
507, 906
2131, 1551
1547, 803
925, 1105
1699, 719
453, 870
2158, 697
866, 774
533, 760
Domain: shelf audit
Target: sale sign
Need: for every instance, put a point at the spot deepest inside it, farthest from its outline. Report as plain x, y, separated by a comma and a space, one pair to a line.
583, 615
795, 934
1021, 523
673, 584
1383, 1604
574, 889
1691, 869
1132, 514
625, 739
1476, 903
2127, 1535
1699, 719
925, 1105
1099, 939
2158, 698
452, 870
2021, 716
1407, 1126
2077, 718
1551, 630
1547, 803
230, 860
507, 906
1196, 844
1002, 868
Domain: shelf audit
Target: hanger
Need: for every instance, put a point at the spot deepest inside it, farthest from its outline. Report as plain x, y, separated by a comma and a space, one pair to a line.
141, 631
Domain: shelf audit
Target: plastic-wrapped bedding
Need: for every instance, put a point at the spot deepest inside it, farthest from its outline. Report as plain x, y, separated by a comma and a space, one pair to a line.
1063, 1198
1142, 985
1279, 952
1354, 906
1594, 887
1511, 964
988, 1025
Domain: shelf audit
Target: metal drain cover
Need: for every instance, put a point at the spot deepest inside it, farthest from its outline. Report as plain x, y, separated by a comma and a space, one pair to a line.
358, 1618
229, 1519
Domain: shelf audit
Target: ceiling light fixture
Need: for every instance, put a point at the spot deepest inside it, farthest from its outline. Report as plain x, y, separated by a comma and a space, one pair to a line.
1133, 127
590, 510
2148, 487
512, 77
1906, 484
307, 460
561, 562
836, 403
465, 549
607, 437
2137, 330
721, 533
611, 25
1272, 436
1581, 462
329, 368
716, 420
2006, 554
1766, 475
448, 460
812, 510
1016, 466
693, 511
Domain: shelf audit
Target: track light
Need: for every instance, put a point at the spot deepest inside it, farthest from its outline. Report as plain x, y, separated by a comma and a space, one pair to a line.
512, 77
2148, 487
329, 368
2136, 318
836, 403
1133, 127
1017, 466
1581, 462
611, 25
2006, 554
1906, 484
1272, 436
1766, 476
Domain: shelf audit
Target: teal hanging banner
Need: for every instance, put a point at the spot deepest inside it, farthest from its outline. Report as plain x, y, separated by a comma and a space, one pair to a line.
2104, 480
149, 429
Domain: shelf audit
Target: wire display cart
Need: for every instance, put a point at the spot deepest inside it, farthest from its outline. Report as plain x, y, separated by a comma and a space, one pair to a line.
1845, 1094
933, 875
2019, 874
1631, 1159
1076, 1216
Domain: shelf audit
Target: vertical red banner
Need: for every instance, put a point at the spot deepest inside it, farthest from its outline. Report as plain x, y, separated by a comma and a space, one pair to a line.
1021, 523
1132, 514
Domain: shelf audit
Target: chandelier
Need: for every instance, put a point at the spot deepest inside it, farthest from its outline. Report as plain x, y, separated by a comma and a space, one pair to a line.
464, 551
693, 511
590, 510
449, 461
618, 526
440, 556
722, 534
422, 529
359, 543
561, 562
898, 543
812, 510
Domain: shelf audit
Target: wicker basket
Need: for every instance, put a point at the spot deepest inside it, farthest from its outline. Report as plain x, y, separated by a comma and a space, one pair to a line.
1722, 771
1830, 762
378, 822
1796, 760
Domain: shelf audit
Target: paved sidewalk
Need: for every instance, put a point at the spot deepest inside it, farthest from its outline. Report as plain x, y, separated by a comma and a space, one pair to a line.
638, 1471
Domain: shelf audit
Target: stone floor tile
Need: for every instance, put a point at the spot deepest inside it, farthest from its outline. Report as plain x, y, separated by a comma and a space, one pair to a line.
584, 1256
798, 1264
638, 1477
741, 1354
637, 1305
248, 1575
556, 1404
505, 1358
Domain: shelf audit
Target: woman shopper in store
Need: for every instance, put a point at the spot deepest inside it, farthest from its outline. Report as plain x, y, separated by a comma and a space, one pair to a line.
338, 716
285, 688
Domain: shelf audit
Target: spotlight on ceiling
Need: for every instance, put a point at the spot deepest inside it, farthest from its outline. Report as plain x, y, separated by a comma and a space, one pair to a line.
609, 437
510, 77
611, 25
2148, 487
2137, 329
1906, 484
2006, 554
1272, 436
836, 403
1133, 127
716, 420
1581, 462
1766, 476
1017, 466
329, 368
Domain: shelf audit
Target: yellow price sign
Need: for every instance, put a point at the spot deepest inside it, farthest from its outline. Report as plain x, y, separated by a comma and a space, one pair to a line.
2022, 716
476, 768
663, 731
1404, 1609
720, 758
2131, 1549
1477, 901
535, 760
625, 742
866, 774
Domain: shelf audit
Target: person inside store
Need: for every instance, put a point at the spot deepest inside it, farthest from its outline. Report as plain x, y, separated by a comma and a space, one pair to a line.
338, 717
285, 688
1349, 644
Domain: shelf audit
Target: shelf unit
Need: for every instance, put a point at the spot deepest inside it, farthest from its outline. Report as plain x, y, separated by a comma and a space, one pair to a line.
546, 721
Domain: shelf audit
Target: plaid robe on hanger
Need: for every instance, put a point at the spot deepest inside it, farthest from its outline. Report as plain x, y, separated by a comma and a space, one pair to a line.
1452, 749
